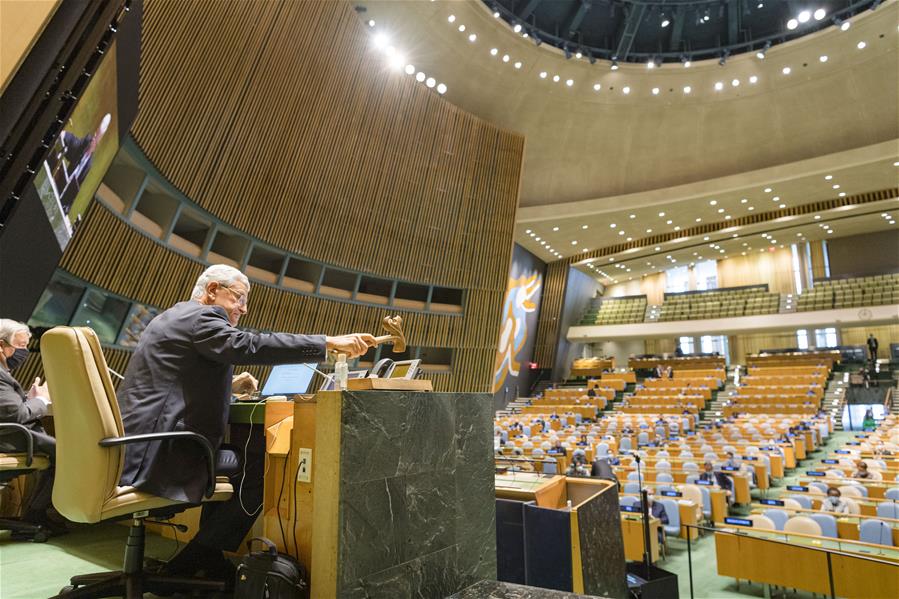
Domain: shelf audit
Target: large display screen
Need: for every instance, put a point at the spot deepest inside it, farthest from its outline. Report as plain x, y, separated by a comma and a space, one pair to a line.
82, 152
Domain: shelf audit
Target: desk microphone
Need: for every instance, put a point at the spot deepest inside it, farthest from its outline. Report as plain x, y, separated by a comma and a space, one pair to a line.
114, 373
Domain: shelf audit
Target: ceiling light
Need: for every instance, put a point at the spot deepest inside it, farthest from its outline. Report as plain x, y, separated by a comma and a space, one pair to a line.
596, 87
687, 64
861, 45
760, 55
845, 25
649, 230
380, 41
371, 22
569, 82
543, 74
735, 83
578, 55
420, 77
842, 194
804, 16
668, 222
531, 234
719, 86
612, 225
626, 90
410, 69
451, 18
574, 243
782, 206
493, 51
528, 231
461, 28
657, 248
430, 82
472, 37
614, 66
555, 228
753, 80
677, 228
506, 58
751, 208
556, 78
775, 199
835, 186
727, 217
822, 58
820, 14
743, 201
687, 89
792, 24
828, 177
720, 210
536, 239
768, 190
666, 22
655, 91
713, 202
517, 65
495, 14
651, 64
699, 220
633, 216
786, 70
517, 28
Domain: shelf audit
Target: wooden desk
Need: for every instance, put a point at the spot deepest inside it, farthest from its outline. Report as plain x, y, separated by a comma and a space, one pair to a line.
758, 557
632, 533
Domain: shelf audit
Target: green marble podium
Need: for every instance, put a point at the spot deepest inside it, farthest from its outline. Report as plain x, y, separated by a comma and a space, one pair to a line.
400, 493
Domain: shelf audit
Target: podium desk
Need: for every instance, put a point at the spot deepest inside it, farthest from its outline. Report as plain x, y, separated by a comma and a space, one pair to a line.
384, 493
632, 531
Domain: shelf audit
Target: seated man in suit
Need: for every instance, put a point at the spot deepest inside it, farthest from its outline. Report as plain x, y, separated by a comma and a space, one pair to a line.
718, 478
27, 409
180, 378
656, 510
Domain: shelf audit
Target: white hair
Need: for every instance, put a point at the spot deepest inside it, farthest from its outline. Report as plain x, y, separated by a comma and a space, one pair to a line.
10, 328
222, 274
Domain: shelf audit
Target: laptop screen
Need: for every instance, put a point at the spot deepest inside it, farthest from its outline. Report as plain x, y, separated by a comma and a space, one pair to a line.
288, 379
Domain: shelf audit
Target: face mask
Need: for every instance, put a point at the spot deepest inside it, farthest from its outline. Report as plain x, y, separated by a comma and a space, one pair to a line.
17, 359
834, 500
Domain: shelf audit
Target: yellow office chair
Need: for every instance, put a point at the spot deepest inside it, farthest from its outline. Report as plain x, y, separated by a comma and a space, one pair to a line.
89, 456
16, 464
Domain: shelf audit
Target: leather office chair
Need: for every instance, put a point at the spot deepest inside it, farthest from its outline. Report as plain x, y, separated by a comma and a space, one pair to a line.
16, 464
90, 444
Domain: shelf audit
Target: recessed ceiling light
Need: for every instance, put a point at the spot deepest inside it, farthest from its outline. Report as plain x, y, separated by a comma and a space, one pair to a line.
472, 37
517, 28
451, 18
621, 232
743, 201
536, 239
786, 70
719, 86
687, 89
768, 190
845, 26
543, 74
657, 248
822, 58
661, 214
556, 78
792, 24
612, 225
410, 69
835, 186
735, 82
842, 194
753, 79
495, 14
649, 230
655, 91
555, 228
626, 90
569, 82
584, 226
677, 228
597, 87
713, 202
817, 217
506, 58
461, 28
517, 64
633, 216
668, 222
804, 16
820, 14
706, 238
727, 217
861, 45
720, 210
699, 220
828, 177
751, 208
574, 243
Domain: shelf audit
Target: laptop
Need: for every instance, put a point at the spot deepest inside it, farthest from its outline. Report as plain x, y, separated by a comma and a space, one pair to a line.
288, 379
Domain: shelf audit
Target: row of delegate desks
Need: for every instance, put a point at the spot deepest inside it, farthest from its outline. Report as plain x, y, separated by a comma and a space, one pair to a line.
867, 506
699, 363
798, 561
741, 480
876, 489
847, 524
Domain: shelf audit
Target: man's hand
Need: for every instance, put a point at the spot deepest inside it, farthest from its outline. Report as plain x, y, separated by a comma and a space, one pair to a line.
352, 345
244, 384
39, 390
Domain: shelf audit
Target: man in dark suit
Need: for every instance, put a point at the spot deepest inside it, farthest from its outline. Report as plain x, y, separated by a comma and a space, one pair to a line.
872, 347
180, 378
27, 409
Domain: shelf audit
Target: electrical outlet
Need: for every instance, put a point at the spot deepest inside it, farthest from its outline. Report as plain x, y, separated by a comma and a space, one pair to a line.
304, 468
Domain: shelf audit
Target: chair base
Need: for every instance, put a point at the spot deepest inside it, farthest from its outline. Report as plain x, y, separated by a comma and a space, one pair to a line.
25, 531
133, 586
133, 581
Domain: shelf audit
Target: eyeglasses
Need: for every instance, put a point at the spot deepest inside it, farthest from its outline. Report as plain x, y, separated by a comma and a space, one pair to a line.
240, 297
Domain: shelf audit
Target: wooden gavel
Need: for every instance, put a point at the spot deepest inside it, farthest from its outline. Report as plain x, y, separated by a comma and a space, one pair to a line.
396, 337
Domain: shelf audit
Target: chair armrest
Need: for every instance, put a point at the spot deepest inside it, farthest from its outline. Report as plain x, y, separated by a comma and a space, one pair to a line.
208, 451
15, 428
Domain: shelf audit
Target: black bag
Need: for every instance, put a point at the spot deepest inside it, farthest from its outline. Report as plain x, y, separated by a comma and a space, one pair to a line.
270, 575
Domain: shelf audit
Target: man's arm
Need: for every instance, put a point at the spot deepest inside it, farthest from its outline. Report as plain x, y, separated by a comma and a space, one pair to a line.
14, 407
215, 339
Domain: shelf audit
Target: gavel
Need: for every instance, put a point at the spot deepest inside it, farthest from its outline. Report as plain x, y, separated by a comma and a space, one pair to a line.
396, 337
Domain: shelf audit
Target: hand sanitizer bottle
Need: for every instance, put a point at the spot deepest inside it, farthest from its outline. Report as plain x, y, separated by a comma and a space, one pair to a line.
341, 372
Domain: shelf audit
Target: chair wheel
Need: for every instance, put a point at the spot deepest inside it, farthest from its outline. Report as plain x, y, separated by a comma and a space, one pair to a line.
66, 589
41, 537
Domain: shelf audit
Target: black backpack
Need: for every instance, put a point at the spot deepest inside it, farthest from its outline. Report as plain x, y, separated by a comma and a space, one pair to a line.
270, 575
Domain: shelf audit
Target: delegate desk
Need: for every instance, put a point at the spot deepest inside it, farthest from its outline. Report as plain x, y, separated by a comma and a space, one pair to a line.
799, 561
632, 532
847, 524
876, 489
559, 533
867, 506
742, 494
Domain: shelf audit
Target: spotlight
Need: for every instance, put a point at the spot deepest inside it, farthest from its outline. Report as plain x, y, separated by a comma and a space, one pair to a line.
472, 37
410, 69
517, 28
597, 87
614, 66
665, 23
431, 82
505, 58
753, 79
626, 90
719, 86
804, 16
578, 54
493, 51
371, 22
792, 24
651, 64
735, 83
420, 77
451, 18
380, 41
517, 65
569, 82
495, 14
655, 91
556, 78
845, 25
687, 89
820, 14
543, 74
786, 70
861, 45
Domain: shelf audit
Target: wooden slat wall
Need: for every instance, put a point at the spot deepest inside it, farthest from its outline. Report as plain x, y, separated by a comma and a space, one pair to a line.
281, 119
548, 323
111, 254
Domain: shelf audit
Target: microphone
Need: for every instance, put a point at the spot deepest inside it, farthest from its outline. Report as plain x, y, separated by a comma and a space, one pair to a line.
328, 377
113, 372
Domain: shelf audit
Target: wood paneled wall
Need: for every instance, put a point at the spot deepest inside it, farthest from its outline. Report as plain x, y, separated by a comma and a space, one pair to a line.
280, 118
774, 268
549, 322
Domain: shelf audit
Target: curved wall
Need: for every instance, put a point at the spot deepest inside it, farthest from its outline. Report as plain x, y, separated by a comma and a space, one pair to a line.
276, 118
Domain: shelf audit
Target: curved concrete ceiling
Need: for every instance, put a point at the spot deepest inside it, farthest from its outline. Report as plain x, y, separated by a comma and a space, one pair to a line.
584, 144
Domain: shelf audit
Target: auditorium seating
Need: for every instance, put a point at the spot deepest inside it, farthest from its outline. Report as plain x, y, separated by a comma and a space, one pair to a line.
825, 294
615, 310
718, 303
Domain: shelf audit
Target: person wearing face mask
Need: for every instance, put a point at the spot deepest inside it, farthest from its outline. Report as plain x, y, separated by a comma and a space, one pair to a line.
27, 409
179, 378
834, 503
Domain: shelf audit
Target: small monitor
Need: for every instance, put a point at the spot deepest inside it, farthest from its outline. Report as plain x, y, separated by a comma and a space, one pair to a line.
671, 494
852, 443
814, 473
776, 502
830, 461
750, 458
842, 451
729, 468
700, 481
738, 521
630, 508
799, 488
406, 369
289, 379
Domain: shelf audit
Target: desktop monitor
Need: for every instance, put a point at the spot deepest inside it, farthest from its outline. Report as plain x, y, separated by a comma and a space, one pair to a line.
738, 521
289, 379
